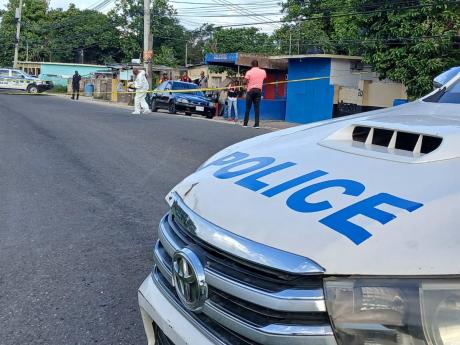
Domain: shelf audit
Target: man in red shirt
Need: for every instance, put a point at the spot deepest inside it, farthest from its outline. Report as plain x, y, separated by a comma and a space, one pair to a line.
255, 78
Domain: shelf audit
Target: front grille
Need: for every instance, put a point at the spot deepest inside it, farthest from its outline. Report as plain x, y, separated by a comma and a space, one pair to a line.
248, 302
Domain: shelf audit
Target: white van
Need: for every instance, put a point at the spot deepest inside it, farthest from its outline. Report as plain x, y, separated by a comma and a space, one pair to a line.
342, 232
13, 79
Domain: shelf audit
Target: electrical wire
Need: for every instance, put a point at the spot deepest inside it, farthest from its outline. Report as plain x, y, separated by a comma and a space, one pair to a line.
338, 15
245, 10
226, 15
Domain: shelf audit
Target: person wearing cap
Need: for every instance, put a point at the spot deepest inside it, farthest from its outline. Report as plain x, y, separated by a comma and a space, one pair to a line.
255, 79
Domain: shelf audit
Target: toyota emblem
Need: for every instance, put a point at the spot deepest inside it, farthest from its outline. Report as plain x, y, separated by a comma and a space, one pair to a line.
189, 279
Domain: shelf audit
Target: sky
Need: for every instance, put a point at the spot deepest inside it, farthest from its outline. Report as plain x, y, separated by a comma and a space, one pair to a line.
192, 13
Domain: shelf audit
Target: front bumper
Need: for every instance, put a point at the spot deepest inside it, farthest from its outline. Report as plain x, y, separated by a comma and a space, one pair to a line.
45, 87
157, 309
191, 108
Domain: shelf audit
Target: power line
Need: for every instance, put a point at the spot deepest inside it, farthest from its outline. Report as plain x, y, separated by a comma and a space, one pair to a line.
239, 10
226, 15
243, 4
336, 15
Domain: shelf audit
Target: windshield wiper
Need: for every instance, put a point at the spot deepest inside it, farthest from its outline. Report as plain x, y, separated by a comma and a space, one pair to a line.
434, 98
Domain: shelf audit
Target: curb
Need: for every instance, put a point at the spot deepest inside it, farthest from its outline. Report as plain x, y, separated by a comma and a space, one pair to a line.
90, 100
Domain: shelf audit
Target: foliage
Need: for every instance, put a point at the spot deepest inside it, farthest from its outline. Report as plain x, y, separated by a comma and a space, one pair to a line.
414, 45
245, 40
407, 41
57, 35
197, 42
165, 56
58, 89
127, 16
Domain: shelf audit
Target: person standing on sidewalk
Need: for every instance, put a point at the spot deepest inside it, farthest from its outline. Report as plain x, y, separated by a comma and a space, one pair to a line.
141, 85
223, 103
76, 85
232, 102
203, 81
255, 78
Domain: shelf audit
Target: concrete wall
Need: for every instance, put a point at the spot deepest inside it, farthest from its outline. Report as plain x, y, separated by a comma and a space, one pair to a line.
383, 93
214, 79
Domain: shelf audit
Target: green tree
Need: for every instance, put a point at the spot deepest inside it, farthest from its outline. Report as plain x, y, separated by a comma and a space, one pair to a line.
412, 45
33, 16
82, 35
407, 41
57, 35
197, 42
165, 56
128, 16
247, 40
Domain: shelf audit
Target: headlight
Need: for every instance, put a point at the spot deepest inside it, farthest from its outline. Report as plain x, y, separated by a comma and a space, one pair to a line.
394, 311
182, 100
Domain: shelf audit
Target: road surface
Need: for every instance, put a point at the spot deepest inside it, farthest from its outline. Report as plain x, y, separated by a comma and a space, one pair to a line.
82, 188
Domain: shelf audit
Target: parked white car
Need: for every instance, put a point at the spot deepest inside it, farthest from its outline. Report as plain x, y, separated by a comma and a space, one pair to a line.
342, 232
13, 79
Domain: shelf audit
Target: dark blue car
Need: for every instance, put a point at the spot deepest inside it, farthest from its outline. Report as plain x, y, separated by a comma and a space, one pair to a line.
192, 101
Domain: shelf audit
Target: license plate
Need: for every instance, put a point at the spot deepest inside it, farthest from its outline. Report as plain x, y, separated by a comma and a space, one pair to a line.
199, 108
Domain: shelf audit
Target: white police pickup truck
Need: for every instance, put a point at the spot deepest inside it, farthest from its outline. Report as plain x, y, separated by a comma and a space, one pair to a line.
343, 232
13, 79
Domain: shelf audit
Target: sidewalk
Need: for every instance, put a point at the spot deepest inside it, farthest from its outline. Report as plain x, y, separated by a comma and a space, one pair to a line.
267, 124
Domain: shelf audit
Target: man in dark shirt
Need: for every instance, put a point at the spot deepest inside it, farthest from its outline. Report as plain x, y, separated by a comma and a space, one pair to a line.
76, 85
232, 102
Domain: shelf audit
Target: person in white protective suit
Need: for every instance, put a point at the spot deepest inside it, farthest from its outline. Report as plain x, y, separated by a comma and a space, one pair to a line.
141, 85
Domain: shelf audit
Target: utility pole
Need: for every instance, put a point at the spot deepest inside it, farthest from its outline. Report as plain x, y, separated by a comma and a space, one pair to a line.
186, 54
18, 34
148, 42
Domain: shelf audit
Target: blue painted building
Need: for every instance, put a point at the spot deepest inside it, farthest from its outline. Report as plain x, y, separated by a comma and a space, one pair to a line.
344, 87
309, 101
273, 104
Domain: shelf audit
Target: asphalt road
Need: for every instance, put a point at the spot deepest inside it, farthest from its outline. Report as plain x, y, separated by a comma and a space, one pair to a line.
82, 189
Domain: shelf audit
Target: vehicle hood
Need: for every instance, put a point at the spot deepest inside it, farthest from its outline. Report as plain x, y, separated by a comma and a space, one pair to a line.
193, 98
36, 80
422, 240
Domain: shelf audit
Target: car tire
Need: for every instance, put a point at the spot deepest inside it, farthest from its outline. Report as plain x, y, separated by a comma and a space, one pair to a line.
154, 106
188, 113
209, 115
32, 89
172, 107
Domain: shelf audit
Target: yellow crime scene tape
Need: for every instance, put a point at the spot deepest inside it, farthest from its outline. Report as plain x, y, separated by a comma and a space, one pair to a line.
173, 91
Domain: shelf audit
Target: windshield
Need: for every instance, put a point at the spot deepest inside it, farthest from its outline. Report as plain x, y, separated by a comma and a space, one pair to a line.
187, 86
26, 75
450, 95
